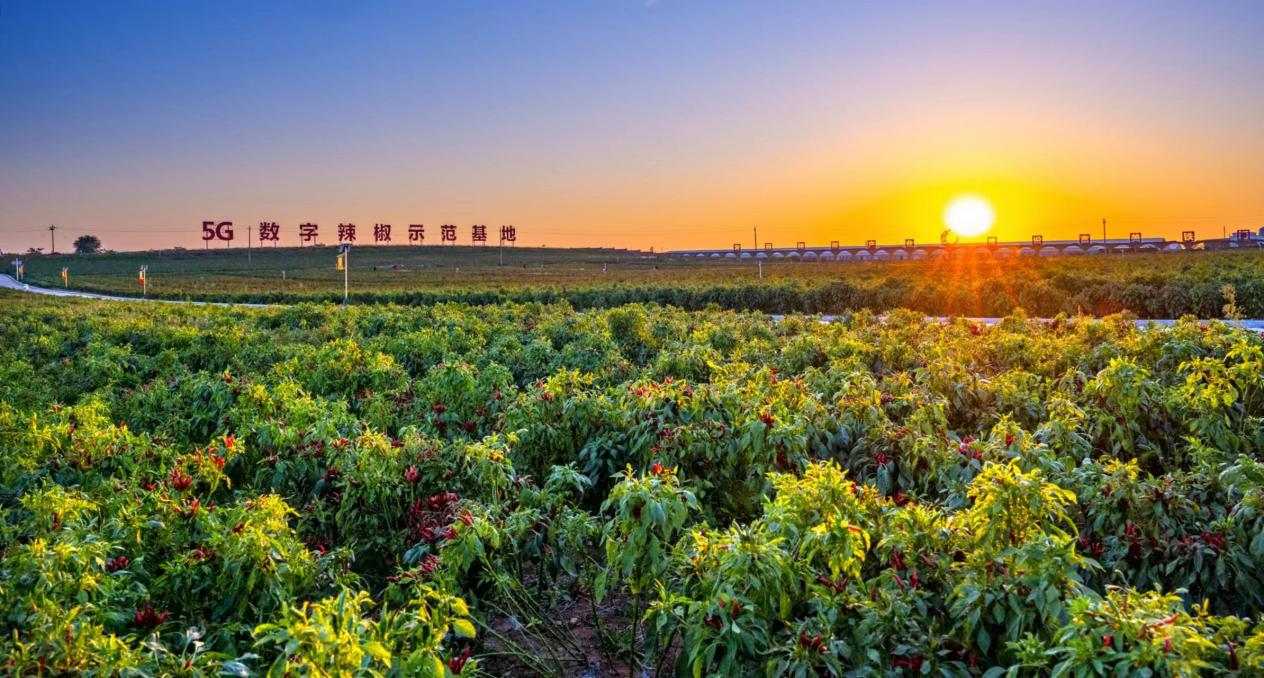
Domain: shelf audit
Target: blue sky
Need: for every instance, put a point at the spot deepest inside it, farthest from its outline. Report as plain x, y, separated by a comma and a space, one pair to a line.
626, 123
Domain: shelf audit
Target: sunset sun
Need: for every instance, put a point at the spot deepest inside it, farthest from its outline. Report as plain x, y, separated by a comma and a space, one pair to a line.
969, 215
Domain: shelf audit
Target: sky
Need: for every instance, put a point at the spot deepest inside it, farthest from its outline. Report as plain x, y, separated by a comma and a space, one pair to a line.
666, 124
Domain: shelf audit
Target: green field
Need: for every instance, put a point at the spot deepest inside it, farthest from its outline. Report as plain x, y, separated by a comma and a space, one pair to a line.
311, 270
516, 490
1147, 285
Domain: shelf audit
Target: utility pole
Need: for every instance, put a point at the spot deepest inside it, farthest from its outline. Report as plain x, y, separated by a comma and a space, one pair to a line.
52, 233
344, 263
755, 232
1103, 230
248, 244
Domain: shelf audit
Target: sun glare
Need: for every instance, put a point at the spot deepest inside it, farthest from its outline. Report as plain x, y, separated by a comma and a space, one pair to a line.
969, 215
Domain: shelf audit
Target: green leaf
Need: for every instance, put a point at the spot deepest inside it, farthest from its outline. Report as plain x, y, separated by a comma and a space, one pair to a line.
984, 639
463, 628
232, 667
377, 651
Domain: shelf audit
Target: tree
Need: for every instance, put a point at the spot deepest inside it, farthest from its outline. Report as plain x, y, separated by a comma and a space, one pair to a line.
87, 244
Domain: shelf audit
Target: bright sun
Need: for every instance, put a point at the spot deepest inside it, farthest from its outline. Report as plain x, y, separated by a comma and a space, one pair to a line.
969, 215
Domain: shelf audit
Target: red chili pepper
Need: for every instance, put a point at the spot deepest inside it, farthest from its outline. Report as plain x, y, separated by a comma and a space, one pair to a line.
456, 664
149, 618
180, 481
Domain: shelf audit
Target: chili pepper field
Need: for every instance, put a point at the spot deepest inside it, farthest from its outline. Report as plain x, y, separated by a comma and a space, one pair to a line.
518, 489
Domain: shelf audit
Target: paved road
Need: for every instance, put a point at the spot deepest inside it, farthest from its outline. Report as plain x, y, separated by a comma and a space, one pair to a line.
7, 282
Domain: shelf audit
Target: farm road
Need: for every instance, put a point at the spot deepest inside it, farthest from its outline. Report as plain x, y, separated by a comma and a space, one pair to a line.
9, 283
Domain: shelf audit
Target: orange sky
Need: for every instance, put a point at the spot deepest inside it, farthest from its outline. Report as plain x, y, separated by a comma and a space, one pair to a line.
667, 125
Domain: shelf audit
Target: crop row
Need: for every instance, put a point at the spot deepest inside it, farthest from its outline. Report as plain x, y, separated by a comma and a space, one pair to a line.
1149, 286
525, 489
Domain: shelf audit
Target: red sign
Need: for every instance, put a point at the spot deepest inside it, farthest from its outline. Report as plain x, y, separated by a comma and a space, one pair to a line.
221, 231
269, 230
307, 232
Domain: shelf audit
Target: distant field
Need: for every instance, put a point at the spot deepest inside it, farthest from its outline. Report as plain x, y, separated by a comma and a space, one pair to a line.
1149, 285
311, 270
